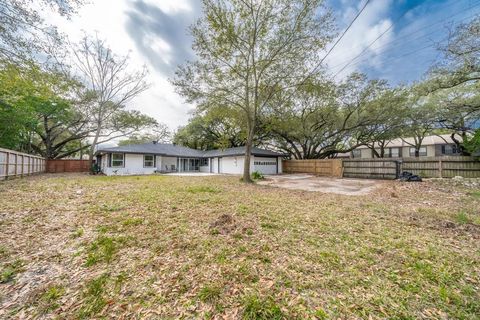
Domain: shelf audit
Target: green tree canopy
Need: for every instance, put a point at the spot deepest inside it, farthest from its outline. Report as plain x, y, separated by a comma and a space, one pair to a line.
248, 52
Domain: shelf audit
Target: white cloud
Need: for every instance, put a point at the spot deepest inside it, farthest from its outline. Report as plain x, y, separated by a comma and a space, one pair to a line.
108, 18
171, 6
159, 46
369, 25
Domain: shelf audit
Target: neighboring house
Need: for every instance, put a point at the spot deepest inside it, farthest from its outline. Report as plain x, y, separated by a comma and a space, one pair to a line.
432, 146
149, 158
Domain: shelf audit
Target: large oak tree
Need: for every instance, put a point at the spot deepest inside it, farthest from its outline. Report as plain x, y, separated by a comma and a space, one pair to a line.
250, 50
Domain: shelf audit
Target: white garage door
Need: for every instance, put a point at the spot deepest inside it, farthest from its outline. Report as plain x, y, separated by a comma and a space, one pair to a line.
265, 165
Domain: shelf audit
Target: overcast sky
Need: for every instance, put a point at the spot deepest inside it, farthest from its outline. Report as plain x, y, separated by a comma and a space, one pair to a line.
154, 33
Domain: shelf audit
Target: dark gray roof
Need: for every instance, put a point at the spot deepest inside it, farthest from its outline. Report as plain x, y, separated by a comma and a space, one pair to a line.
238, 151
166, 149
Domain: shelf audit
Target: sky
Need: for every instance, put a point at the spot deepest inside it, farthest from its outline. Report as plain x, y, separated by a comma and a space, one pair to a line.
154, 33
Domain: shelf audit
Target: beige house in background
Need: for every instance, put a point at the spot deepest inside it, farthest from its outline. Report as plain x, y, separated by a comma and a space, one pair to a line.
432, 146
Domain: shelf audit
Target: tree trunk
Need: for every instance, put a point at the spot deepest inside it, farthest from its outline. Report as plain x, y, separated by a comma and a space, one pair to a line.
248, 153
94, 144
459, 145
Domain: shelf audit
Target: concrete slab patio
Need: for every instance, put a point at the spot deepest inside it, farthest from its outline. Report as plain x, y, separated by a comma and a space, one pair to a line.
191, 174
309, 182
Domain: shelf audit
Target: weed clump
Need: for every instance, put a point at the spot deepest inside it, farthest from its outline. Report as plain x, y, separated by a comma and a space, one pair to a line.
257, 308
102, 249
94, 297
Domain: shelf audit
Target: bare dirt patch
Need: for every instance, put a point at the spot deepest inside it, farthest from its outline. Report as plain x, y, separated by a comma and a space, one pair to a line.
224, 224
306, 182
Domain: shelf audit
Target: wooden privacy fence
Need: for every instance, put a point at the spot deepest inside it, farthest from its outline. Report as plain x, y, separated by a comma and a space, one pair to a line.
324, 167
425, 167
56, 166
370, 168
18, 164
442, 167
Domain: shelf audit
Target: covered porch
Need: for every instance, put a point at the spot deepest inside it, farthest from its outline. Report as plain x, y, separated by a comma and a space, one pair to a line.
192, 164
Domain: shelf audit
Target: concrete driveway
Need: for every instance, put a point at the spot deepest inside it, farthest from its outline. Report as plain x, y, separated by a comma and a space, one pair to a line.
309, 182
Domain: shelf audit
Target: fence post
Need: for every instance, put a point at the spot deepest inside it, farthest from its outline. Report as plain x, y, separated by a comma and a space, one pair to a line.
7, 169
440, 168
398, 168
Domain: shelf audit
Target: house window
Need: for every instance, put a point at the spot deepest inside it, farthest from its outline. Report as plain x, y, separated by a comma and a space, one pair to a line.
450, 149
357, 153
422, 152
394, 152
148, 161
203, 162
265, 163
118, 160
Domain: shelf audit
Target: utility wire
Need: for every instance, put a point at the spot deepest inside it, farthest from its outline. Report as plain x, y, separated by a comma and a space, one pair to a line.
412, 33
403, 55
365, 59
373, 42
345, 31
338, 40
312, 72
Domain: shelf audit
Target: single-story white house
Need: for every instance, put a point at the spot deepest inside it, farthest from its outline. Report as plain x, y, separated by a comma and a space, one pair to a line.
149, 158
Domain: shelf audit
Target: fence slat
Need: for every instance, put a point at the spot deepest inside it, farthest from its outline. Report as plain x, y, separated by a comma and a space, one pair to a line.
66, 165
319, 167
431, 167
369, 168
9, 164
426, 167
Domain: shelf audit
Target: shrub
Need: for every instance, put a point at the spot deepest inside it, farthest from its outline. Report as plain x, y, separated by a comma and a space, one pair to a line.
257, 175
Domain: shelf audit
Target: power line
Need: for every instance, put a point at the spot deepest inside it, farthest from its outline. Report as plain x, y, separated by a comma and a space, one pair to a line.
410, 34
371, 43
375, 40
405, 54
345, 31
312, 72
376, 54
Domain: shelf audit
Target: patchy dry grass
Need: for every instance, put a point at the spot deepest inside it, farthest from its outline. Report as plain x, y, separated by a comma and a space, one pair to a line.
210, 247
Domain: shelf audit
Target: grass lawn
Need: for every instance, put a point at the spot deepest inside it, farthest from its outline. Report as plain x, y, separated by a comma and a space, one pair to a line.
78, 246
